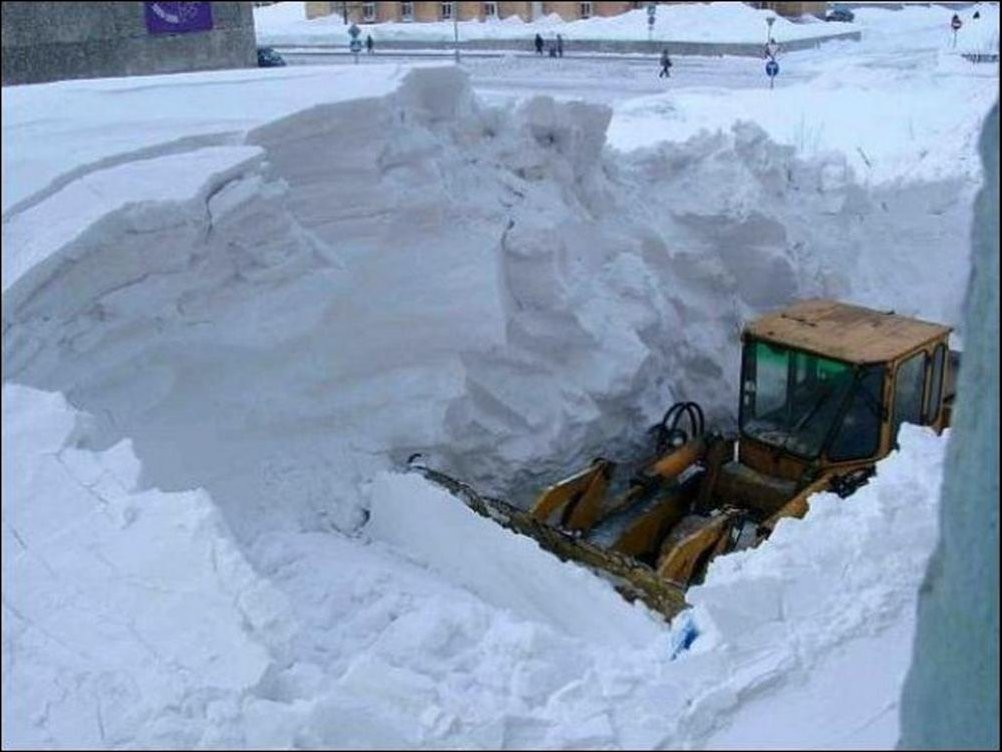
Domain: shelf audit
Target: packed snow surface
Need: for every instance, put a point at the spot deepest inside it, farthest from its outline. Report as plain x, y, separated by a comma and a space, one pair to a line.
234, 303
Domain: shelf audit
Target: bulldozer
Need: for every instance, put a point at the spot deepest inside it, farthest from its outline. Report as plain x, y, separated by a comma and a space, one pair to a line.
824, 388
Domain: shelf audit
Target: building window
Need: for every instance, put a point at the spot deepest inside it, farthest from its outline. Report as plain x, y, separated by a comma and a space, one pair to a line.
446, 11
490, 10
407, 11
368, 11
585, 10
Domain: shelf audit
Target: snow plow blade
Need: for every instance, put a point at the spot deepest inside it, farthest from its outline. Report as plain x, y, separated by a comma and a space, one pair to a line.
633, 579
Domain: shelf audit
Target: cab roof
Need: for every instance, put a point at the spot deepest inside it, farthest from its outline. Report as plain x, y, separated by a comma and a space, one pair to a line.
845, 332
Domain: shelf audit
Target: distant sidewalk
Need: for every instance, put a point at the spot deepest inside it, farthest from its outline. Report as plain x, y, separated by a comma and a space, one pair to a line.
608, 46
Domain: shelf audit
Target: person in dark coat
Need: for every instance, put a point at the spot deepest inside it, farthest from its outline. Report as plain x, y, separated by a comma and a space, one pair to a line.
539, 44
665, 64
368, 43
560, 46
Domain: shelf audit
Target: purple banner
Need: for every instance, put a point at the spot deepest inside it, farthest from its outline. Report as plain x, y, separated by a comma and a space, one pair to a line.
178, 18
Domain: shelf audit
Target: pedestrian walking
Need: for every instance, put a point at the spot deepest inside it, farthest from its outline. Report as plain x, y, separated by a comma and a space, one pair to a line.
539, 44
369, 43
560, 46
665, 64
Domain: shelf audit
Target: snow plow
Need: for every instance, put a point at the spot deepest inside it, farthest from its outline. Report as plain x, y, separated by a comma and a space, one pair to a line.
824, 388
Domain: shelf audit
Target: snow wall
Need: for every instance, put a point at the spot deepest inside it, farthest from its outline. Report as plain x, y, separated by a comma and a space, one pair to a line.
275, 318
272, 321
952, 695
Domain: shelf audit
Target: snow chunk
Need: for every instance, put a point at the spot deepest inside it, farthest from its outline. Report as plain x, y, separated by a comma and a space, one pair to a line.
509, 571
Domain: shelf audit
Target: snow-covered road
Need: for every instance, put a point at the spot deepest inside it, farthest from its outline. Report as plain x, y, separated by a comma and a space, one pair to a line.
607, 80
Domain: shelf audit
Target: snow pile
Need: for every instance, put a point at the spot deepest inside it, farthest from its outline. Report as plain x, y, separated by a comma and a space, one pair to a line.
920, 137
546, 303
508, 571
102, 123
124, 609
130, 618
827, 602
285, 24
929, 25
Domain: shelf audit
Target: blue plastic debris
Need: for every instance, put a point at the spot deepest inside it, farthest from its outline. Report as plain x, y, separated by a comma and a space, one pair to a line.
683, 633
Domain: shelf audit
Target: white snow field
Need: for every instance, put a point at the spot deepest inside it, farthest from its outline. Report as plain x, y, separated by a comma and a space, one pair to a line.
234, 303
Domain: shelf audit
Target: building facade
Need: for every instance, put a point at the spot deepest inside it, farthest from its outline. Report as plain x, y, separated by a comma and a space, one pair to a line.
527, 10
50, 41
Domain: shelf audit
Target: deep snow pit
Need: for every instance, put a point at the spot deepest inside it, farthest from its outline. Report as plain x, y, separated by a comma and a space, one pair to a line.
264, 326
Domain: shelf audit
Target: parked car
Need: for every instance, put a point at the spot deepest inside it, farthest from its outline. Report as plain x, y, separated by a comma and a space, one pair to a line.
840, 14
268, 58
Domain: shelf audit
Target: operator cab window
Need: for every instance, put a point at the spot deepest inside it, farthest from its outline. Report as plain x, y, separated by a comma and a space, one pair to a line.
858, 435
935, 385
790, 398
908, 388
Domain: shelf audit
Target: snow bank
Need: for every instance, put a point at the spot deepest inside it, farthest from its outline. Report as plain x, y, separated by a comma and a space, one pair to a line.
546, 302
285, 24
827, 600
920, 137
818, 581
869, 100
929, 25
138, 188
509, 571
104, 122
124, 609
